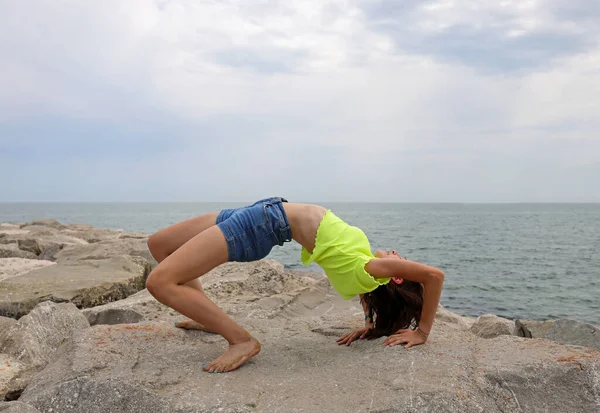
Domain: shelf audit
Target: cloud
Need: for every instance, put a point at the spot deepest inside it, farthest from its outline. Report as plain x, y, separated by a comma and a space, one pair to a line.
341, 100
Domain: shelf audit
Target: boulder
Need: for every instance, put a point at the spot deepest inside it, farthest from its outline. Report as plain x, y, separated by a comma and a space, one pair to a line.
562, 331
575, 332
532, 328
11, 229
15, 267
490, 326
17, 407
34, 338
106, 249
445, 316
52, 223
304, 370
28, 345
10, 372
86, 284
135, 308
6, 323
30, 245
6, 251
153, 366
49, 253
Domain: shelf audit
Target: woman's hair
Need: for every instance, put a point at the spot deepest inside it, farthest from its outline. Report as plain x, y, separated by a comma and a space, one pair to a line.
393, 307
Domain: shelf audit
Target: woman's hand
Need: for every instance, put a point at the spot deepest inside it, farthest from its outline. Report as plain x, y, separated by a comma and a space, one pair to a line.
410, 337
357, 334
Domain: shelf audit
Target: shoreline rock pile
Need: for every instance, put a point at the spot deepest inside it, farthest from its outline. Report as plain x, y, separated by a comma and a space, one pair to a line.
79, 333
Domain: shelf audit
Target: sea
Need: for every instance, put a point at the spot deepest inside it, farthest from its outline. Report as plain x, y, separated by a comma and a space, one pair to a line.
532, 261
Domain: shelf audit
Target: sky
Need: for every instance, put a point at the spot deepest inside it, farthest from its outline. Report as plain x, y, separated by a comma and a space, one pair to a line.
339, 100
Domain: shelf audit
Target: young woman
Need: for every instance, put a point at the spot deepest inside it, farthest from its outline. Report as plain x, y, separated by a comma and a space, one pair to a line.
396, 293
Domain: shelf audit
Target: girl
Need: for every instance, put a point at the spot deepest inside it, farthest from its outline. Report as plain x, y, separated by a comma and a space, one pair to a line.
396, 293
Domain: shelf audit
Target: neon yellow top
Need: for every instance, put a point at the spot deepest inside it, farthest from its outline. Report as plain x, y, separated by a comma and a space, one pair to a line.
343, 251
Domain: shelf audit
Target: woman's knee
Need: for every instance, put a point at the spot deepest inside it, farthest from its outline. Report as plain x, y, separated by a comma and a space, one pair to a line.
155, 284
157, 246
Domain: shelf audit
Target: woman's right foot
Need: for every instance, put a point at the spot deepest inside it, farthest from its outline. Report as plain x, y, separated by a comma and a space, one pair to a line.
192, 325
234, 357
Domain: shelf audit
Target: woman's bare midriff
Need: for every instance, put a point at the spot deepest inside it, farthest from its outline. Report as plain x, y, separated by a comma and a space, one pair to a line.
304, 220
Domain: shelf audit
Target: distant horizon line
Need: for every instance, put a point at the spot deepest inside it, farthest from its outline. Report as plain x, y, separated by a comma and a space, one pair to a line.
314, 202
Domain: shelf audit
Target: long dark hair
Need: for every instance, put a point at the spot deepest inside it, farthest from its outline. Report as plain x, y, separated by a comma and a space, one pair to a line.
393, 307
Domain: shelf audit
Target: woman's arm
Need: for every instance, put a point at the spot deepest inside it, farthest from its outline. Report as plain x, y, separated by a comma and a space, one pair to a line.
432, 279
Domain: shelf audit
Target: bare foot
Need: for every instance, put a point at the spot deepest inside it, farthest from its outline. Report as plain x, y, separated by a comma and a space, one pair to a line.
234, 357
192, 325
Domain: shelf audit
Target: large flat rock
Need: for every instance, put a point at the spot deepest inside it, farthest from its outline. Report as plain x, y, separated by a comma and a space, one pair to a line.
86, 284
14, 267
105, 249
301, 368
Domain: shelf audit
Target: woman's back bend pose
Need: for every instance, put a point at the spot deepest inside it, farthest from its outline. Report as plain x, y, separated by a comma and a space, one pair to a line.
395, 292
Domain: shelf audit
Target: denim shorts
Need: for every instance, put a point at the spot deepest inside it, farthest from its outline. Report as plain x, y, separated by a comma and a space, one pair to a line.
252, 231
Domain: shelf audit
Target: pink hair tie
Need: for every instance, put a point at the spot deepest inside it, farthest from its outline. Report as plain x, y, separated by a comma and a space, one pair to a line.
397, 280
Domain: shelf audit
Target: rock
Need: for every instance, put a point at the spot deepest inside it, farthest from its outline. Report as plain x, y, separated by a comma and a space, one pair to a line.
153, 366
562, 331
106, 249
10, 370
456, 372
29, 344
112, 316
93, 235
531, 328
6, 323
575, 332
445, 316
134, 235
30, 245
11, 229
133, 309
17, 407
52, 223
16, 253
86, 284
15, 267
49, 253
100, 396
34, 338
233, 280
489, 326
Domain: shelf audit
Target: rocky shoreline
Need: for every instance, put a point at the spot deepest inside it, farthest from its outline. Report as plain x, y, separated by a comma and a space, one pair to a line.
79, 333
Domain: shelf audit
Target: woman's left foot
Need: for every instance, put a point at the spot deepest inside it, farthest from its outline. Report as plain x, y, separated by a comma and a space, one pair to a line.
192, 325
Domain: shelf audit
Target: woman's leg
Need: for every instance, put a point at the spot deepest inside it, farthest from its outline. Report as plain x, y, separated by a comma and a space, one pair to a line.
167, 283
166, 241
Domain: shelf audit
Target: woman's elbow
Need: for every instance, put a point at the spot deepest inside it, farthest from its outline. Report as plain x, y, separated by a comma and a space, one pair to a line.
438, 275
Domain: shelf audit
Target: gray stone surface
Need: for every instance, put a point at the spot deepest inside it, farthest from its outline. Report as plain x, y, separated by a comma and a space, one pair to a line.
86, 284
106, 249
6, 323
301, 368
17, 407
28, 344
532, 328
14, 267
575, 332
94, 265
34, 338
7, 252
112, 316
489, 326
10, 372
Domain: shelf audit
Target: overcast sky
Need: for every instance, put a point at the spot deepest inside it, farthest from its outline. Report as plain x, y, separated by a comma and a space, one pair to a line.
341, 100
